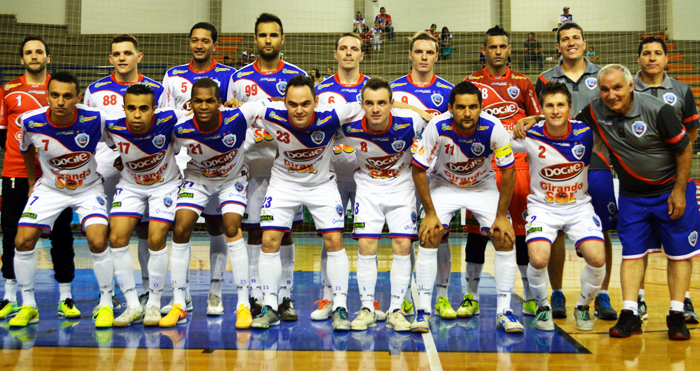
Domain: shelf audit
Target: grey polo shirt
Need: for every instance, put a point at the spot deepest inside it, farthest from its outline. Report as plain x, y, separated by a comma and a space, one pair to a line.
674, 93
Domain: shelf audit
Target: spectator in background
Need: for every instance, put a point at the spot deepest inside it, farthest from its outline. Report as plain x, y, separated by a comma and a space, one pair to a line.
445, 43
329, 72
366, 37
590, 54
566, 17
227, 60
247, 56
533, 51
358, 23
377, 37
316, 75
385, 23
433, 31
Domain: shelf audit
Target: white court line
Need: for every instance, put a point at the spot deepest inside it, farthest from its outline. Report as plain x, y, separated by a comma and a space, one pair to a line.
430, 349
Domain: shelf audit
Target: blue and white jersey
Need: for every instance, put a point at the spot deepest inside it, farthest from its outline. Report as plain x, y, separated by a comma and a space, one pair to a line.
558, 165
178, 83
432, 98
148, 158
67, 153
217, 155
108, 95
464, 161
304, 155
384, 159
331, 90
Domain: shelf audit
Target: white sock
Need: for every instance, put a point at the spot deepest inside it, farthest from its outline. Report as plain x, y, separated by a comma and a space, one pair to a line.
591, 280
271, 266
287, 279
412, 256
641, 294
603, 292
676, 306
444, 257
338, 274
103, 266
630, 305
426, 271
179, 265
505, 278
239, 264
367, 279
218, 256
687, 294
64, 291
143, 255
527, 295
157, 269
473, 279
124, 271
253, 257
538, 279
11, 290
399, 277
327, 288
25, 271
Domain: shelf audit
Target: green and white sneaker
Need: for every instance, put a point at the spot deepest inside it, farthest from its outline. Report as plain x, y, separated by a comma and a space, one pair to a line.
407, 307
268, 317
584, 322
543, 319
530, 308
340, 320
469, 307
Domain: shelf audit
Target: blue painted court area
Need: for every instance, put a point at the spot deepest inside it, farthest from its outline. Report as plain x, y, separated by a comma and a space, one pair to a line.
477, 334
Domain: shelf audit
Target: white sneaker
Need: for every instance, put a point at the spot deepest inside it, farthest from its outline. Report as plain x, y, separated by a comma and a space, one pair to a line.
379, 315
397, 321
508, 322
152, 316
365, 318
166, 309
130, 316
324, 311
214, 305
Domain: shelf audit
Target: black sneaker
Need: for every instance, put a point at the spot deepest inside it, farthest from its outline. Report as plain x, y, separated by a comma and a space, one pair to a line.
286, 310
689, 312
603, 309
558, 305
676, 326
627, 325
255, 307
642, 308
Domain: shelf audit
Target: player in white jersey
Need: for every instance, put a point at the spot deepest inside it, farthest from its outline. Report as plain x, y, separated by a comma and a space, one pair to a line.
462, 143
265, 78
150, 181
214, 140
107, 94
383, 138
66, 135
560, 152
342, 87
178, 83
302, 175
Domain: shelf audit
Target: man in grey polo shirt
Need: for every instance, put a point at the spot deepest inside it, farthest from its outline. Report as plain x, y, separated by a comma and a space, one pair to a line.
652, 79
579, 75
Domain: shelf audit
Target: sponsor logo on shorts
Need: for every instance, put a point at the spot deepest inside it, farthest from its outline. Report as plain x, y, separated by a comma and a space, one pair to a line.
466, 167
33, 216
185, 195
596, 220
239, 187
266, 218
146, 163
339, 209
116, 204
101, 200
167, 201
533, 230
82, 140
359, 225
414, 216
70, 161
303, 155
561, 172
692, 237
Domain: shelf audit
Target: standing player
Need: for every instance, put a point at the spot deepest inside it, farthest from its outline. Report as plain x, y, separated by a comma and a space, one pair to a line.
65, 135
652, 79
383, 138
178, 89
579, 75
149, 183
302, 175
343, 87
560, 153
509, 96
423, 89
107, 94
265, 78
18, 96
461, 143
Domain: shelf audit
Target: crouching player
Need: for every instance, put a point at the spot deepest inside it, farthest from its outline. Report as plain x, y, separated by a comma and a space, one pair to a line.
66, 135
213, 137
560, 152
462, 142
143, 137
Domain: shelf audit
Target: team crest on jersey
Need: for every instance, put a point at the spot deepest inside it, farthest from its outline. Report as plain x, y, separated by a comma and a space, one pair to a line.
639, 128
281, 87
578, 151
437, 99
82, 140
513, 91
318, 136
159, 141
693, 237
101, 200
670, 98
591, 83
229, 140
398, 145
339, 209
477, 148
612, 208
239, 187
167, 201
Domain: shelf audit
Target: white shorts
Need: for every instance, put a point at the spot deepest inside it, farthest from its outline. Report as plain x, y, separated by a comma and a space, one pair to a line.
231, 194
482, 202
131, 201
397, 208
257, 188
580, 224
282, 204
46, 203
